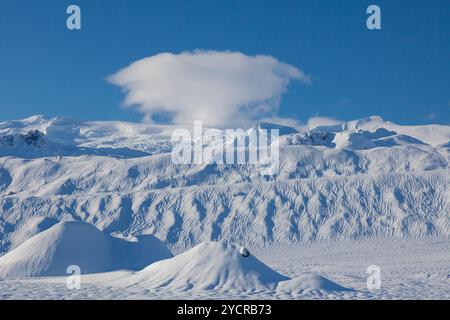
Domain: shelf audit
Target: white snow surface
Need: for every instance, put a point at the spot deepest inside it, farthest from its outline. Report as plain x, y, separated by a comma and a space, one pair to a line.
106, 191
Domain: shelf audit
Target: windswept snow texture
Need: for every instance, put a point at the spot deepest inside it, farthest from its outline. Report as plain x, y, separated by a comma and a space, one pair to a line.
52, 251
367, 179
30, 228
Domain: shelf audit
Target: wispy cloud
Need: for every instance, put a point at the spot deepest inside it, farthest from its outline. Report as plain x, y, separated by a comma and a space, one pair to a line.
345, 102
430, 116
219, 88
322, 121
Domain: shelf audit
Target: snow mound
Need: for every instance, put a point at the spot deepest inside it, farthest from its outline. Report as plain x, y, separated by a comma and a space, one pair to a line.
208, 266
50, 252
309, 283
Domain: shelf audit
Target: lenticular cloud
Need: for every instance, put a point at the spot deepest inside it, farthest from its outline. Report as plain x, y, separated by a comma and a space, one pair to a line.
219, 88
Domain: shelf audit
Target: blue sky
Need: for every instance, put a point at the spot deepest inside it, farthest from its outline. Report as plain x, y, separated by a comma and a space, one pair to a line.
401, 72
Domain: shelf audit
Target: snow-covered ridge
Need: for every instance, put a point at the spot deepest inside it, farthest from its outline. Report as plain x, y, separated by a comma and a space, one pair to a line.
67, 134
63, 157
364, 178
393, 205
30, 144
109, 138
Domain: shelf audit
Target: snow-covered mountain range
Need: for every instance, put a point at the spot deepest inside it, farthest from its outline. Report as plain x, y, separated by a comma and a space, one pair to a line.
361, 178
355, 179
63, 182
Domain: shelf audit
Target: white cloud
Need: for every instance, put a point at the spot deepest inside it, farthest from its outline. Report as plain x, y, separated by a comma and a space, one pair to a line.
223, 89
322, 121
